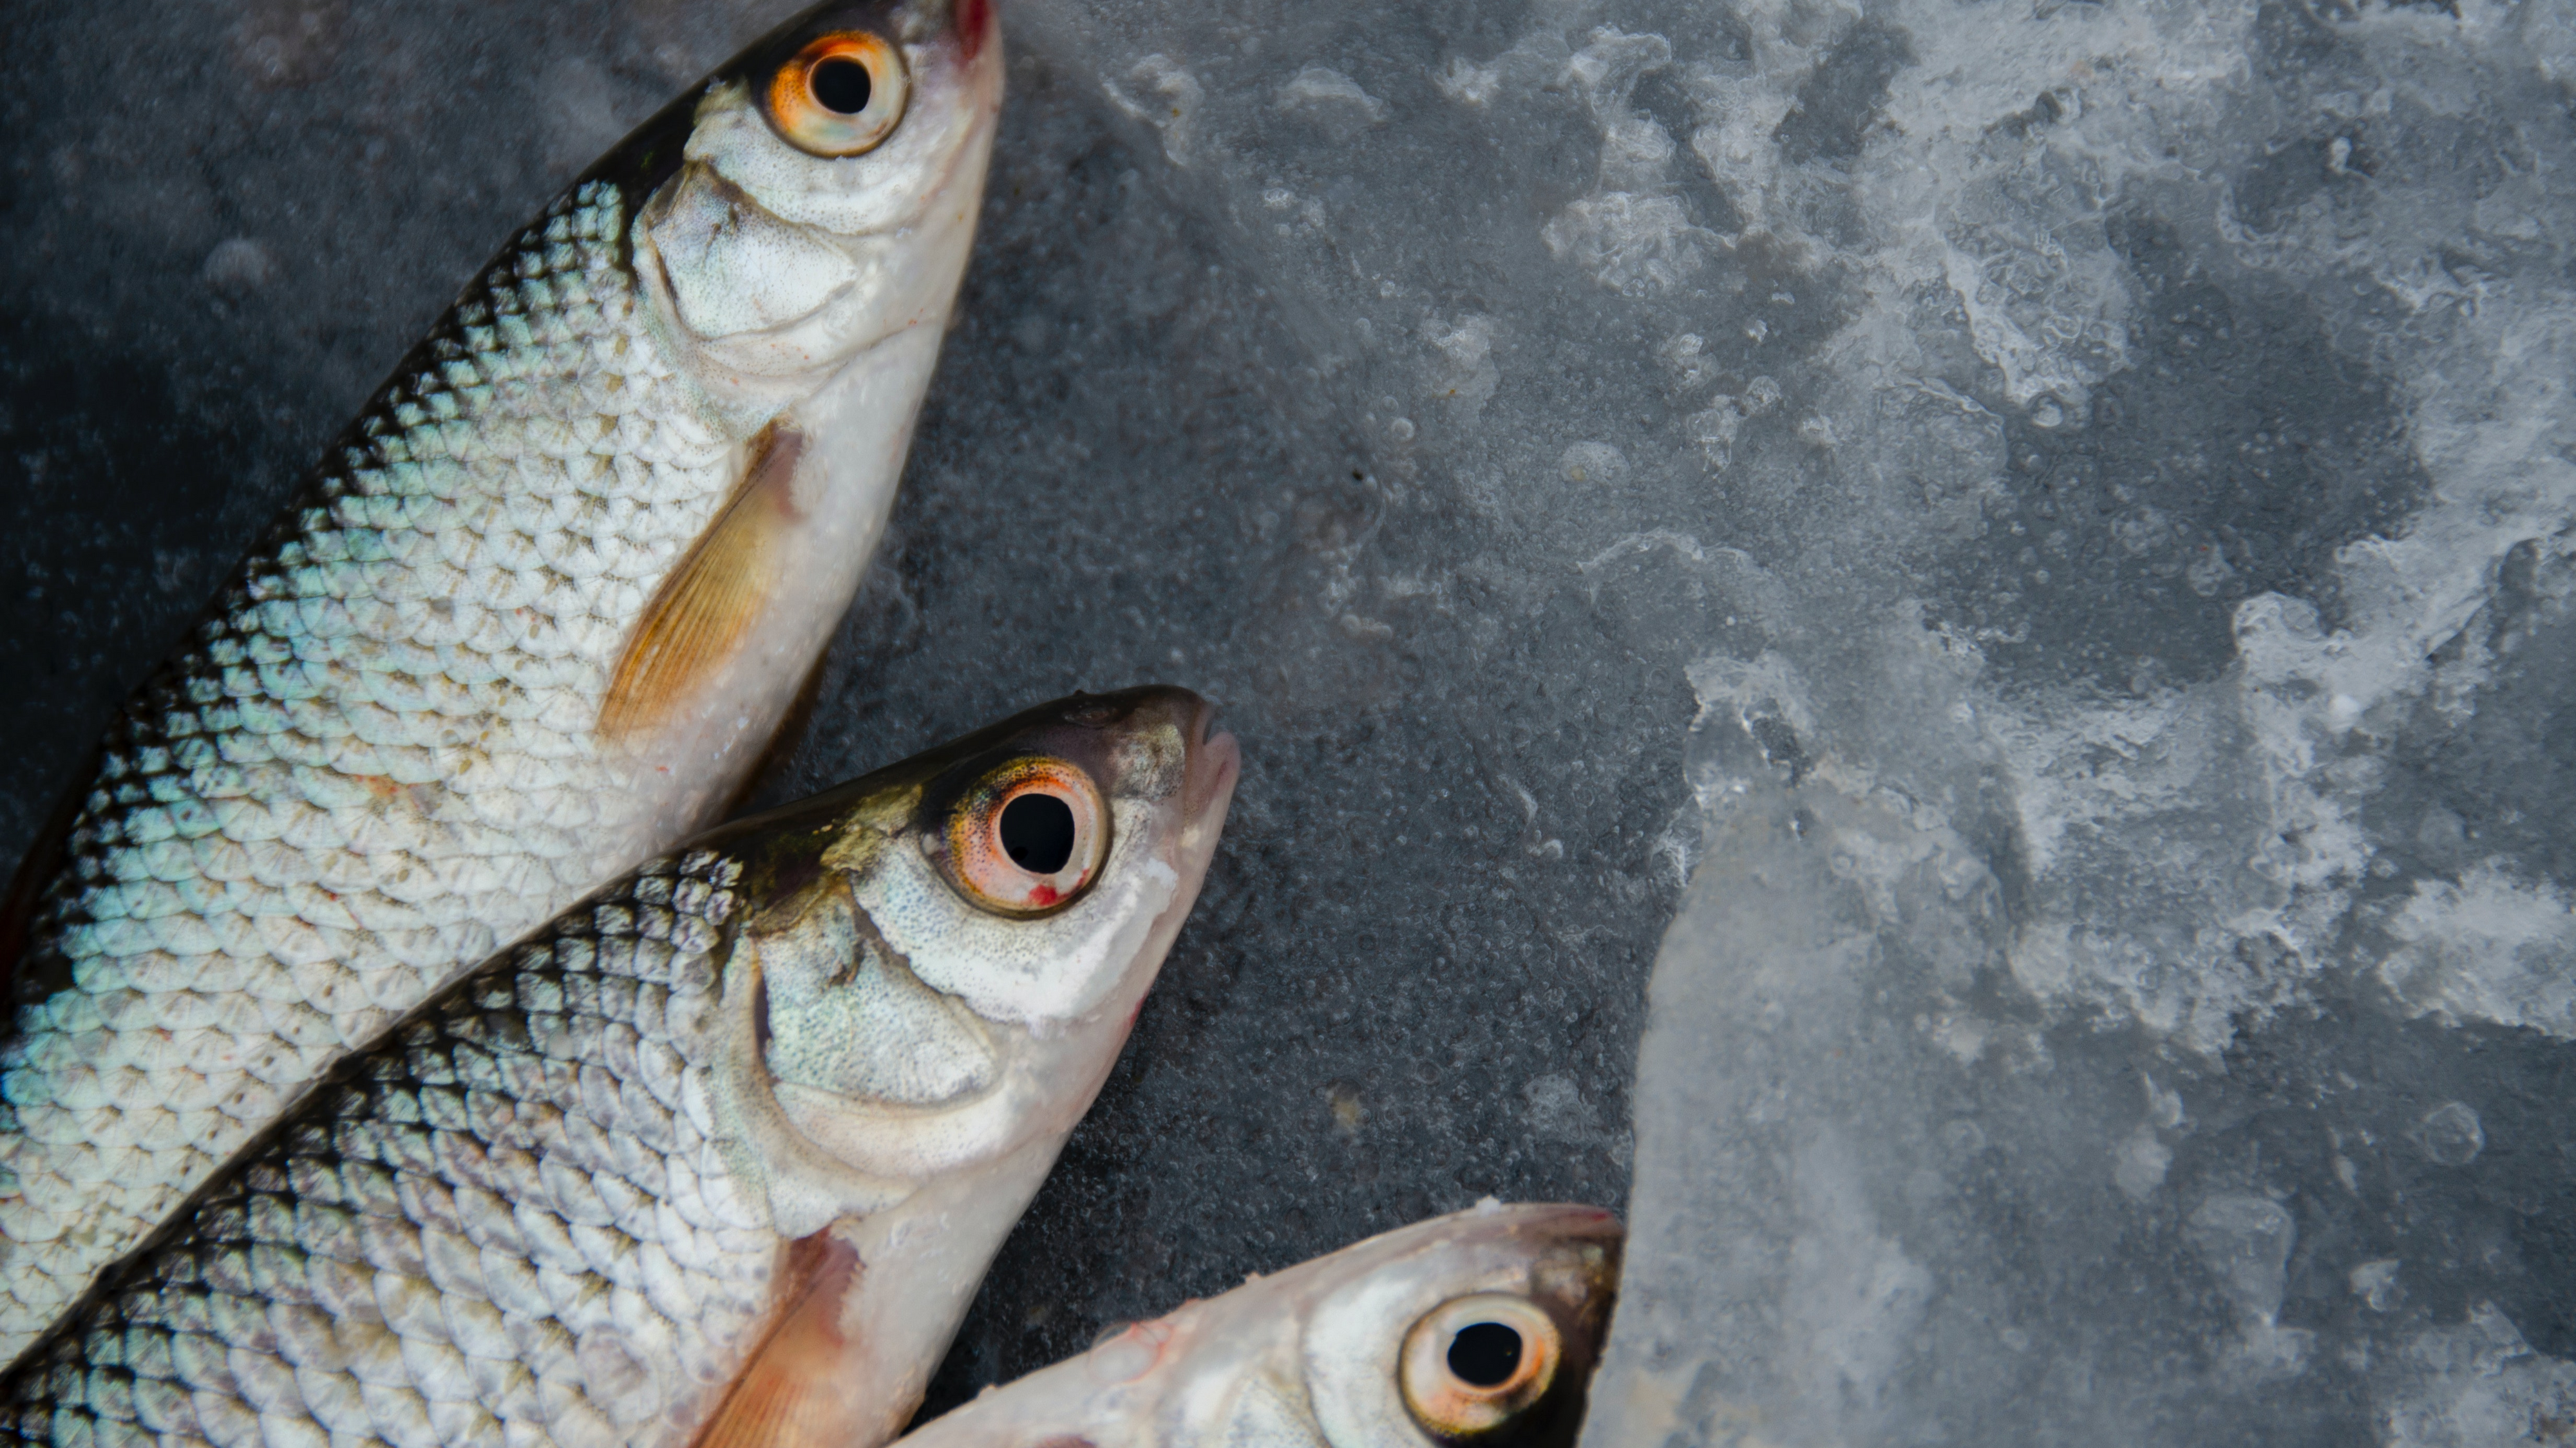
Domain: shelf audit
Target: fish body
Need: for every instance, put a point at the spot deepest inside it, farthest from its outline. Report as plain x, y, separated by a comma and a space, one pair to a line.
1477, 1328
717, 1157
531, 621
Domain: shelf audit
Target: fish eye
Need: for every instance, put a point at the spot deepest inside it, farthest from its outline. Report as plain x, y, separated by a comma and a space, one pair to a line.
1485, 1354
1028, 837
839, 96
1474, 1364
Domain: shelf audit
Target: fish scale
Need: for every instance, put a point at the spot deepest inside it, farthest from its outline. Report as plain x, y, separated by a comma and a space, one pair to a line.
470, 1235
252, 886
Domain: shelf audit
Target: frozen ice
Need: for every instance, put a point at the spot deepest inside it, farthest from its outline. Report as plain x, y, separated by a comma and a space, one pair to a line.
2032, 545
2474, 1385
2168, 733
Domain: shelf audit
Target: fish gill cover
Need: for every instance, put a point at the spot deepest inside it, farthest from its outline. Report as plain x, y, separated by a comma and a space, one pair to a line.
2036, 537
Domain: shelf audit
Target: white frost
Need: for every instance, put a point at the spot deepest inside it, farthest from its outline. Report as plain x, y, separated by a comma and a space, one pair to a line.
2489, 948
2477, 1385
1629, 234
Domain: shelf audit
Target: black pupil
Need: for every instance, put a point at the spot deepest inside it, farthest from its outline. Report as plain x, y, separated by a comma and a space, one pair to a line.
840, 84
1485, 1354
1037, 833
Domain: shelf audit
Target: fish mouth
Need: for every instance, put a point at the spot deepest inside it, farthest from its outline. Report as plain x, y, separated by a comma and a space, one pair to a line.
1543, 1224
972, 24
1567, 1220
1215, 762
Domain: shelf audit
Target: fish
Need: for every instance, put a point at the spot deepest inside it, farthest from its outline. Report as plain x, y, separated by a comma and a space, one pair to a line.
1480, 1327
716, 1159
531, 620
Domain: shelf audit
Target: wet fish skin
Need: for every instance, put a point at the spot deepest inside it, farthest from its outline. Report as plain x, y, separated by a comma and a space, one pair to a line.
1316, 1356
568, 1201
530, 622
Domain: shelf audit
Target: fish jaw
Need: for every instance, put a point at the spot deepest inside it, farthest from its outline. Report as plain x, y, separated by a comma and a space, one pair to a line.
1308, 1357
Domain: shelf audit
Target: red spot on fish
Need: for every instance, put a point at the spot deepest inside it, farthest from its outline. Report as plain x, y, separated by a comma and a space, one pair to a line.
974, 23
1041, 896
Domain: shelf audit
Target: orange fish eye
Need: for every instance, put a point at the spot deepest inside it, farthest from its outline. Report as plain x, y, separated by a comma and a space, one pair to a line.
840, 95
1475, 1363
1028, 838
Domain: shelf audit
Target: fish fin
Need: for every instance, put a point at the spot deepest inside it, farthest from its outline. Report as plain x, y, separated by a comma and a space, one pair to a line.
700, 615
790, 1393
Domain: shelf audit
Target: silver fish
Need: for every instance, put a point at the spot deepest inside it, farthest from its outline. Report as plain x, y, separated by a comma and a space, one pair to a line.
531, 621
718, 1157
1480, 1328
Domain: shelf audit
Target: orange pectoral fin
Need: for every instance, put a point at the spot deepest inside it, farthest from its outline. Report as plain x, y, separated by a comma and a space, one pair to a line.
701, 614
793, 1391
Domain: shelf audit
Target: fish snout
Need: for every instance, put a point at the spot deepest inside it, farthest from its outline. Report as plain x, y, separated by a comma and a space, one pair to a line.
1215, 762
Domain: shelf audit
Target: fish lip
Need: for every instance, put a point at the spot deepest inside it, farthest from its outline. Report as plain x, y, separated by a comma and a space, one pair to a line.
1560, 1221
1215, 762
1567, 1222
973, 24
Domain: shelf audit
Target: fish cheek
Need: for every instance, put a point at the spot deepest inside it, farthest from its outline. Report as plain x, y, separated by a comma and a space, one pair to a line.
732, 266
805, 1186
840, 1012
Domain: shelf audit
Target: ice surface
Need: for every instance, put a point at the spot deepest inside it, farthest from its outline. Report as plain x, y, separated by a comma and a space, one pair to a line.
2056, 520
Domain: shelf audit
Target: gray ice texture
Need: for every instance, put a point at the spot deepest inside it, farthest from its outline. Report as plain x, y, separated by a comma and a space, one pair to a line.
2038, 539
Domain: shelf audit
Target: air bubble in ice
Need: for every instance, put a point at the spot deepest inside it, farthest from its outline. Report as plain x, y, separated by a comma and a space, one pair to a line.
2452, 1134
1333, 101
1462, 373
1596, 463
2375, 1283
238, 267
2138, 1166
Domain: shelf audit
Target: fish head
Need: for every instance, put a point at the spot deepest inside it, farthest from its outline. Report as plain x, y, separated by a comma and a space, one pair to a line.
937, 963
1480, 1328
826, 194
